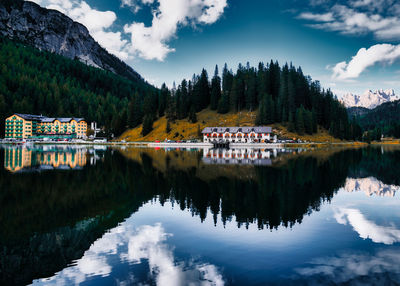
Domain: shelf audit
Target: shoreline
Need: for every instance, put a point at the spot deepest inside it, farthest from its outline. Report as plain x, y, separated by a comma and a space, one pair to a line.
202, 145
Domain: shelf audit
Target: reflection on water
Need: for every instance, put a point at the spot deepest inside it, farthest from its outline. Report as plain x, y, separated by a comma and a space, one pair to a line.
367, 229
137, 246
244, 156
48, 157
370, 186
380, 268
170, 217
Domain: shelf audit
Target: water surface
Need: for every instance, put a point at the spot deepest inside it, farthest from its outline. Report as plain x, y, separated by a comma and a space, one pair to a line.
98, 216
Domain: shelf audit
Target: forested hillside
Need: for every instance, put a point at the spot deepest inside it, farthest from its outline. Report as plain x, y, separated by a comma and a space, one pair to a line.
39, 82
280, 95
384, 119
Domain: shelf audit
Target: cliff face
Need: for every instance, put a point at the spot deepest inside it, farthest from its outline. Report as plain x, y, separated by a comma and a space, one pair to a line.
53, 31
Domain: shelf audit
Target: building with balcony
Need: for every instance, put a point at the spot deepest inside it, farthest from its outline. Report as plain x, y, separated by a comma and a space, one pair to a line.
258, 134
23, 126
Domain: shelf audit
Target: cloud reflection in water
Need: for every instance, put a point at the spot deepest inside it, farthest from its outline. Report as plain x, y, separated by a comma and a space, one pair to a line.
381, 268
131, 245
366, 228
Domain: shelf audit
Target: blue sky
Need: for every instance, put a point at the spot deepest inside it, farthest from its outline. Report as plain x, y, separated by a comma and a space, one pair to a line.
350, 46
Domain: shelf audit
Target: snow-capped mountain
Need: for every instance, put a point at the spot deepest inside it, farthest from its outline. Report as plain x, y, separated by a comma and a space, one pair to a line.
369, 99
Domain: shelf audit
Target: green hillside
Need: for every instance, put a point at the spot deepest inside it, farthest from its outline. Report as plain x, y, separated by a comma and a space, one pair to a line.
39, 82
384, 119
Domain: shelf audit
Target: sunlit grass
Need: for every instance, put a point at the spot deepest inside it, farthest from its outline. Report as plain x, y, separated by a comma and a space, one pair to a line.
182, 129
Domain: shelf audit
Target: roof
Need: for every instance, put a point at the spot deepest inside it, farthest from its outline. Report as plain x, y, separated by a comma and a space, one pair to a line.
64, 119
245, 130
46, 119
30, 116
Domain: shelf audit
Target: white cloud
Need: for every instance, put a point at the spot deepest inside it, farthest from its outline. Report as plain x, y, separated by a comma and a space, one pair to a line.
381, 53
135, 5
152, 42
326, 17
366, 228
378, 17
148, 42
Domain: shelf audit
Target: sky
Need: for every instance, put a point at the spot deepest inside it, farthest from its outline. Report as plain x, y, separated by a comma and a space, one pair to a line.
348, 45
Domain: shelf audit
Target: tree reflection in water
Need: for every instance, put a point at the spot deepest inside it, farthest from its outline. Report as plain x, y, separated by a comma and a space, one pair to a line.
51, 218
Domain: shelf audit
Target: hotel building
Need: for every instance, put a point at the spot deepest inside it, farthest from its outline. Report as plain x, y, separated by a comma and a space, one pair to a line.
22, 126
237, 134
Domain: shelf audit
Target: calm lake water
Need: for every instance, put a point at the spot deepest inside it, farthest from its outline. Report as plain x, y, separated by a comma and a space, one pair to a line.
98, 216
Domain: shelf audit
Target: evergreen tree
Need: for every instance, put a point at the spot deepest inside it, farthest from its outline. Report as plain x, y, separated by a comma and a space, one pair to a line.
300, 121
203, 90
291, 124
251, 90
171, 109
162, 102
199, 134
283, 99
147, 124
274, 79
134, 111
223, 104
261, 114
227, 80
215, 90
234, 96
314, 121
291, 90
192, 115
168, 127
308, 121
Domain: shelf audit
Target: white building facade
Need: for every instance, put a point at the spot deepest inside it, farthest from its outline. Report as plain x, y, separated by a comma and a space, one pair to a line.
258, 134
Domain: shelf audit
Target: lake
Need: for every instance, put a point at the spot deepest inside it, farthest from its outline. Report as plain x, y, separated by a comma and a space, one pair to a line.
128, 216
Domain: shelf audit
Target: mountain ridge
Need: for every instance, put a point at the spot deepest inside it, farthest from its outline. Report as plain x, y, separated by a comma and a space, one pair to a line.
369, 99
53, 31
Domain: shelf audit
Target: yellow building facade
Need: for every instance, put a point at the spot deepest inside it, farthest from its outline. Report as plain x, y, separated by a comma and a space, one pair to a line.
23, 126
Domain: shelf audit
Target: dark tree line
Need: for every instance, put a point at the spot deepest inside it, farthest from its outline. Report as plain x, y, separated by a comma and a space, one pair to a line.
280, 95
382, 120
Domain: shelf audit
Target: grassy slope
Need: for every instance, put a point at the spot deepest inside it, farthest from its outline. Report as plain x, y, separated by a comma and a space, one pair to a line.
182, 129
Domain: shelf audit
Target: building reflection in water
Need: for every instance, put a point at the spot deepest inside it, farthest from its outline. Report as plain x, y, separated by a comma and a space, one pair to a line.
21, 159
244, 156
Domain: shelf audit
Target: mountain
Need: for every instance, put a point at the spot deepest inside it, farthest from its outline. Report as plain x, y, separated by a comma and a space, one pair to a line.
53, 31
369, 99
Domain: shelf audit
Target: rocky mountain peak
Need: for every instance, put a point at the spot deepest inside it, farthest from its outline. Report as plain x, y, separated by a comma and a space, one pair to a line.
53, 31
369, 99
